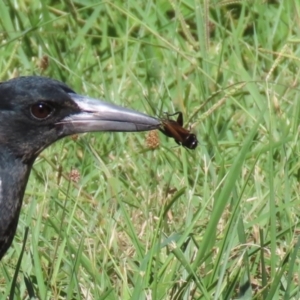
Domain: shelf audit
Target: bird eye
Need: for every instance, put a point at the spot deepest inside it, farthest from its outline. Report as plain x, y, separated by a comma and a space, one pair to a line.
41, 110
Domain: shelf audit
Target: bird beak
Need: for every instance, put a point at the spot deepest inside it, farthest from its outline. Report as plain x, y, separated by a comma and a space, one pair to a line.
96, 115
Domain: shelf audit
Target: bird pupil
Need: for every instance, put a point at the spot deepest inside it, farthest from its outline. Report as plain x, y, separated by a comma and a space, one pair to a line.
41, 110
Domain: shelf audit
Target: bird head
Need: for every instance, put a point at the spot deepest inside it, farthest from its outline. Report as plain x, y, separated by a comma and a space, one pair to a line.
37, 111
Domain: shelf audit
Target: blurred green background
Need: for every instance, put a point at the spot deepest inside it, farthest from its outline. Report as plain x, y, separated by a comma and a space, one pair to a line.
135, 216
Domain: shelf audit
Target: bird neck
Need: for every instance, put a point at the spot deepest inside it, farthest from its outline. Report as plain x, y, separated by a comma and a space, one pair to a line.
13, 179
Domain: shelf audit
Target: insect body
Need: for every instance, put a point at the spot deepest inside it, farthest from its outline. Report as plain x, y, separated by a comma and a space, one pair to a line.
174, 129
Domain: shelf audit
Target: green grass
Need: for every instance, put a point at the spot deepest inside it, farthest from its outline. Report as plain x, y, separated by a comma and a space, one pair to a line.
220, 222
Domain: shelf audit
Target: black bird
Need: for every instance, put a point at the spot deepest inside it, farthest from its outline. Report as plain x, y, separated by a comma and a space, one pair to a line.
34, 113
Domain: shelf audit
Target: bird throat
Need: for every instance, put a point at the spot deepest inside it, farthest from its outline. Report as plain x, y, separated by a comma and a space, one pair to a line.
13, 179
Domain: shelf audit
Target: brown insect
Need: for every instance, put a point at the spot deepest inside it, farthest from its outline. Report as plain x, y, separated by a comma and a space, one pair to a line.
174, 129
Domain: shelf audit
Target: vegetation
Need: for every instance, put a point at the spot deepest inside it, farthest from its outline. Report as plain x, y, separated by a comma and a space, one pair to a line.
133, 215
